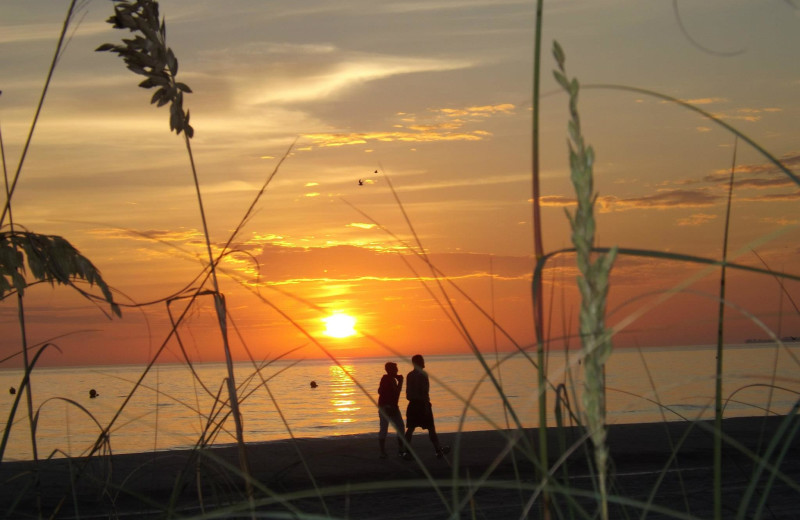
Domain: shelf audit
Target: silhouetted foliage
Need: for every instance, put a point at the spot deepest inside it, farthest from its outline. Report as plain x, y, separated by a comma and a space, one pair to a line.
147, 54
51, 259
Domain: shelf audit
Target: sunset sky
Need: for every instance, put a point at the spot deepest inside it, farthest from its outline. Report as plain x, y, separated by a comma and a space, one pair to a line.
434, 97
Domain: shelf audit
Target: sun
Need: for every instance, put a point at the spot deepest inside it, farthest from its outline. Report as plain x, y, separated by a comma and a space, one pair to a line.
339, 325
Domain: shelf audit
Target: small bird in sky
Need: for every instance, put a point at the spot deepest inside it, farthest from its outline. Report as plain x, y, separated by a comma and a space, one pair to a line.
360, 182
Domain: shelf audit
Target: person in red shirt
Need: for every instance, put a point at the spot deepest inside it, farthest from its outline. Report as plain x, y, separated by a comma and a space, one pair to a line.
388, 407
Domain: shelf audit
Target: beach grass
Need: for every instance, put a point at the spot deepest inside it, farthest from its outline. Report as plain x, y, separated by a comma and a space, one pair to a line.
579, 467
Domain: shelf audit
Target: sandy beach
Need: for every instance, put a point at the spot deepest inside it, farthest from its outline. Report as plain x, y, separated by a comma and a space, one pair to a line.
488, 474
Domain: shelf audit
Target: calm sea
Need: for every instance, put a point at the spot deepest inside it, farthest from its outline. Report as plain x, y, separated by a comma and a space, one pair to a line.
173, 408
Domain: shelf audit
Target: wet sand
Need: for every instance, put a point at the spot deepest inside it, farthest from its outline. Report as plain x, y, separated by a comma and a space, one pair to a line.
487, 475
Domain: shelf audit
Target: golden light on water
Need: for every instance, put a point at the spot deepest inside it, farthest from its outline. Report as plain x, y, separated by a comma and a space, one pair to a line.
343, 403
339, 325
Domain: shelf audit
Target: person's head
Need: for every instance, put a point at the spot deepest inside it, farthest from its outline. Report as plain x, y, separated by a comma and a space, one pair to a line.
391, 368
418, 361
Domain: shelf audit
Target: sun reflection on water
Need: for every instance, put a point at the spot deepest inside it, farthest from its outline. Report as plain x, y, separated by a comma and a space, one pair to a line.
343, 403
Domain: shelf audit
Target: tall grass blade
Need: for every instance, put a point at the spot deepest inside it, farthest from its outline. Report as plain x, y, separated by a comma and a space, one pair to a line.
537, 289
720, 345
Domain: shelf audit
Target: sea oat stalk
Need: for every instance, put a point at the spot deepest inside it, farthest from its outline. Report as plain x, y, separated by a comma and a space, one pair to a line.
593, 282
147, 54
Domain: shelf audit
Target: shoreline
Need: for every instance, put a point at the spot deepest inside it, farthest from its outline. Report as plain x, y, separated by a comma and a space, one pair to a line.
483, 469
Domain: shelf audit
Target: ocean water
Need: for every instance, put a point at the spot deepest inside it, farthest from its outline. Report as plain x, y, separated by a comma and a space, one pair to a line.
173, 408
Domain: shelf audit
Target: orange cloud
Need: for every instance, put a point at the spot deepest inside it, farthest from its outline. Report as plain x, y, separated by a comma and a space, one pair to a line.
759, 176
789, 161
661, 200
556, 200
747, 114
412, 128
481, 111
361, 225
326, 140
664, 199
773, 197
781, 221
705, 101
698, 219
155, 235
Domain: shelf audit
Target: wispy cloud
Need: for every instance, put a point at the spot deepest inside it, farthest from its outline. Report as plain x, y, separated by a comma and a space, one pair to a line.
663, 199
439, 124
420, 136
704, 101
423, 6
556, 200
361, 225
161, 235
27, 33
781, 221
698, 219
318, 75
773, 197
758, 176
789, 160
703, 192
479, 111
750, 115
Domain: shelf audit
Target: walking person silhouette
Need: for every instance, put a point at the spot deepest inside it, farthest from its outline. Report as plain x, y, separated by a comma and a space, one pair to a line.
419, 413
388, 407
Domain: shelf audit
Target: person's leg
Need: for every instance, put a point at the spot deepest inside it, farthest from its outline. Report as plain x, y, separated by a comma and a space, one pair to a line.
383, 431
407, 448
397, 420
434, 438
411, 423
409, 433
440, 450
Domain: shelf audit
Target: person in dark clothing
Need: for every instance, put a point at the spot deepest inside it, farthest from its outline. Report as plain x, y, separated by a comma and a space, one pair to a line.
388, 407
419, 413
